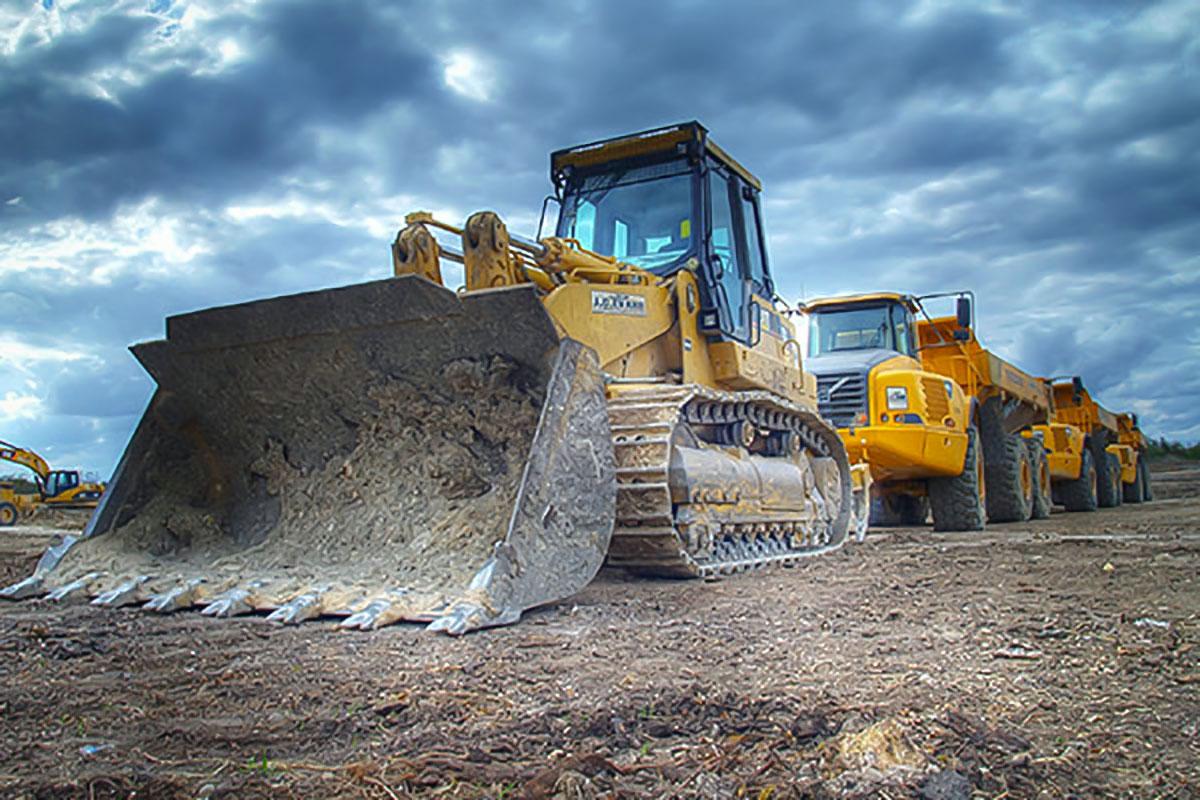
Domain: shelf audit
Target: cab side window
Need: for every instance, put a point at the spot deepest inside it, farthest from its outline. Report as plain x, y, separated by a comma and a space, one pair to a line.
754, 251
723, 246
900, 326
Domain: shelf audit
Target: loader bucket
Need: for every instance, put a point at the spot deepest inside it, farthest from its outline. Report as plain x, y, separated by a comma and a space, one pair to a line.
385, 451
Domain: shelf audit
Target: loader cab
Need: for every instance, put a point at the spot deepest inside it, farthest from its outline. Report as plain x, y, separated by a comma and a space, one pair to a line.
883, 322
667, 200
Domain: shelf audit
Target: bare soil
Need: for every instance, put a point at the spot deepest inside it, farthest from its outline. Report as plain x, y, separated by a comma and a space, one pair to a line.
1058, 658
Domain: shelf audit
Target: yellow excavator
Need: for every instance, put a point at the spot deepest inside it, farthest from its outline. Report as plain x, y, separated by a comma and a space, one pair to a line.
628, 389
56, 488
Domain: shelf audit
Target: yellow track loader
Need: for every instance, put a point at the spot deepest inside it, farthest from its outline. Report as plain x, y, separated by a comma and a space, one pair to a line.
626, 389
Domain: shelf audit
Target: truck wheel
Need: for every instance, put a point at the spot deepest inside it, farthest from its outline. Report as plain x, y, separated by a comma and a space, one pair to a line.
1134, 492
958, 503
1108, 485
1010, 481
915, 510
1080, 494
883, 513
890, 510
8, 515
1041, 479
1114, 471
1147, 492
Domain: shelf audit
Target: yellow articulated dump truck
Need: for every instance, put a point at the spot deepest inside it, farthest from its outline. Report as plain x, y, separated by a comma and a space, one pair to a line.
936, 416
626, 389
1096, 457
1130, 450
56, 488
1006, 400
911, 426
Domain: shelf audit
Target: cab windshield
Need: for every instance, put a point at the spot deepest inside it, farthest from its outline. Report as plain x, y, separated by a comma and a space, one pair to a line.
873, 327
59, 482
642, 215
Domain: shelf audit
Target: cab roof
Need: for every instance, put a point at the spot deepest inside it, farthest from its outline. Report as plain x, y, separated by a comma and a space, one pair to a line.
869, 298
633, 145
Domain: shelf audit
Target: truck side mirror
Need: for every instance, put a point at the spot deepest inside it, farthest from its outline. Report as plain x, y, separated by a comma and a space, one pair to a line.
1077, 388
963, 311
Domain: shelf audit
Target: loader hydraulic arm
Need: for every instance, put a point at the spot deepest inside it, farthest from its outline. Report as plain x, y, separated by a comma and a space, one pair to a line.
492, 257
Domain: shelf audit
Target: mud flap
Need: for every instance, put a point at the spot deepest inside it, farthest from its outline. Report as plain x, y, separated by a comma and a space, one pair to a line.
860, 493
385, 451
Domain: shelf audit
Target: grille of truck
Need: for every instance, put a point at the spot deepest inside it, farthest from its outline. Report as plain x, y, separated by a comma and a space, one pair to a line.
841, 397
937, 400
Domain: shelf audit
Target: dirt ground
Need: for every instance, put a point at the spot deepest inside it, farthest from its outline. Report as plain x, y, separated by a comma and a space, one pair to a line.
1051, 659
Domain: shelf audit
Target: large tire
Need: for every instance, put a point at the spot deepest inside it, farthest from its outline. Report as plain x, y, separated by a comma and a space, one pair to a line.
1006, 470
883, 515
1080, 494
891, 510
1114, 471
1134, 492
8, 515
958, 503
1108, 484
1147, 492
1040, 468
916, 511
1010, 482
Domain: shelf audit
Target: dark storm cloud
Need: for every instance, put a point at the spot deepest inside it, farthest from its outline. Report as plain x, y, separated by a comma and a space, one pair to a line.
186, 135
1046, 156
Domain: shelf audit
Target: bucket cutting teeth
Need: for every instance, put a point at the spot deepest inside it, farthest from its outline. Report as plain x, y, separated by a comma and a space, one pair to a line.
183, 596
298, 609
337, 443
33, 586
126, 594
234, 602
78, 589
465, 617
377, 613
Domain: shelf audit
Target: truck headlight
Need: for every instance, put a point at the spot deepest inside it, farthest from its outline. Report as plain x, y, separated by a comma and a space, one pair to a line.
897, 398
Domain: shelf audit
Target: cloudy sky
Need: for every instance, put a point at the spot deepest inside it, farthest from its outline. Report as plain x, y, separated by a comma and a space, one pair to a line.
163, 155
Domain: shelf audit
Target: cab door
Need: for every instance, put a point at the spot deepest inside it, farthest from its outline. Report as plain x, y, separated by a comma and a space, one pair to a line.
737, 255
725, 253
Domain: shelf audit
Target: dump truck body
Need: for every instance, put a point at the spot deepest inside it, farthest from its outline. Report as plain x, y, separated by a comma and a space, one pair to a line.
955, 352
398, 451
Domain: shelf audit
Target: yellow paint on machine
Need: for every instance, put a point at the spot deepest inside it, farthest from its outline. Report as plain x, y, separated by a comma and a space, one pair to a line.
1064, 449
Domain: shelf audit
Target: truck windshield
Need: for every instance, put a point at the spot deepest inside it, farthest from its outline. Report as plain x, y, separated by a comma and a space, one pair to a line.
642, 216
855, 328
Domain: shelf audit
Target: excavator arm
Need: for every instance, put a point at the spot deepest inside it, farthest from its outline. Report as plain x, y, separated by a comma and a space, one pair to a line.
26, 458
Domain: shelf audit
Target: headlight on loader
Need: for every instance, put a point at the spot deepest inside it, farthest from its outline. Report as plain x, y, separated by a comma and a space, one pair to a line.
897, 398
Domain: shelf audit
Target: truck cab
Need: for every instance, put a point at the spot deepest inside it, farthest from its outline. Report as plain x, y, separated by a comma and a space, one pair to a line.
906, 422
908, 425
